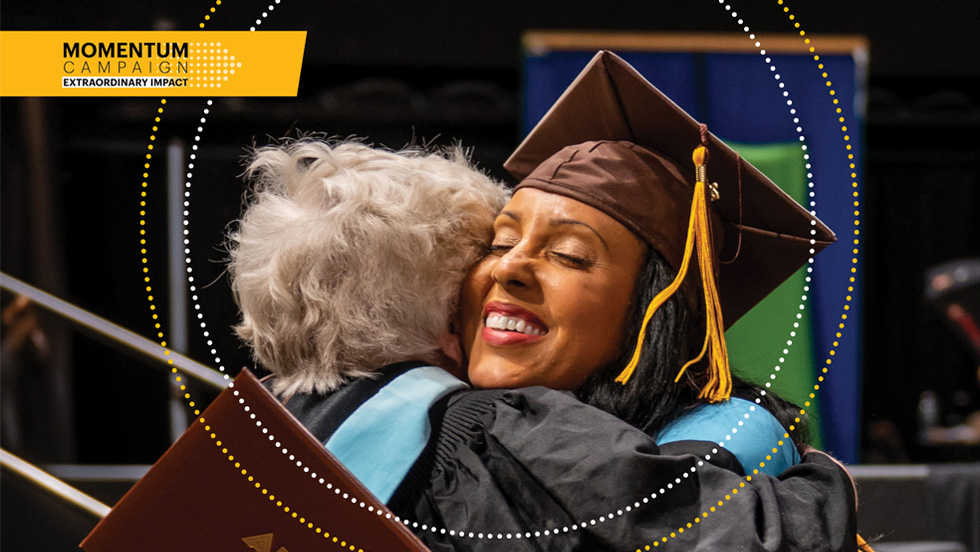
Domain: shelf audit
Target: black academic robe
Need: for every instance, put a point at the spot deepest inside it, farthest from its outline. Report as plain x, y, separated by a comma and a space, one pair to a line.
535, 469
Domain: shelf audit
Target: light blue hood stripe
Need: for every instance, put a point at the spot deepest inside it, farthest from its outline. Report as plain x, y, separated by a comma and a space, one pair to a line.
750, 442
380, 442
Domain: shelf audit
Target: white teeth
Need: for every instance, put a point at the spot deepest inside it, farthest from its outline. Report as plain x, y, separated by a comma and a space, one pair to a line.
493, 321
498, 321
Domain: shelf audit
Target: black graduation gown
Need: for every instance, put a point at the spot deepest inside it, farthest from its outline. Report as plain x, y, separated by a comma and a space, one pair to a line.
535, 469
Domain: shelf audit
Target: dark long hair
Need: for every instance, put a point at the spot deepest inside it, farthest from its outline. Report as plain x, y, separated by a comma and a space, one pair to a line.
651, 398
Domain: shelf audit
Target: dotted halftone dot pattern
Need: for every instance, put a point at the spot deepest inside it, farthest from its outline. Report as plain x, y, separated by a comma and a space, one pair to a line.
211, 65
637, 504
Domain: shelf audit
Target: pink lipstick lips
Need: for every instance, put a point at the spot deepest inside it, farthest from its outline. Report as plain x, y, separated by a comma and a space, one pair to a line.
508, 324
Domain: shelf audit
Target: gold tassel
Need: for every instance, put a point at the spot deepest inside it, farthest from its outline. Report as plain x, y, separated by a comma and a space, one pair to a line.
660, 299
719, 385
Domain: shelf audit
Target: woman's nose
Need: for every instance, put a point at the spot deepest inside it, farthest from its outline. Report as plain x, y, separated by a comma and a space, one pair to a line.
513, 270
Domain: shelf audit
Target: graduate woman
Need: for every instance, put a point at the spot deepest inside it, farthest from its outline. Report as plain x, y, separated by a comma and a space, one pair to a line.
633, 241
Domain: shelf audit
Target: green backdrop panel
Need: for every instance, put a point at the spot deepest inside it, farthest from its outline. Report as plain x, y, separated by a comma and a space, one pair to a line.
756, 343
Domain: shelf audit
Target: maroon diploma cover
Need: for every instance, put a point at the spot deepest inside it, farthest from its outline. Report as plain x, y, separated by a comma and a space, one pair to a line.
246, 476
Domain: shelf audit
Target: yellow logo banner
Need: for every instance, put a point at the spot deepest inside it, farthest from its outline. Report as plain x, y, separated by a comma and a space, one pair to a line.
150, 63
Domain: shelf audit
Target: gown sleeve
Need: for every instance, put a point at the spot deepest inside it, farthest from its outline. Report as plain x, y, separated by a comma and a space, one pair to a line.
535, 469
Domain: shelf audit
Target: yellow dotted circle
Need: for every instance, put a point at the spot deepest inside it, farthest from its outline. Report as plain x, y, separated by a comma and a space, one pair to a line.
318, 530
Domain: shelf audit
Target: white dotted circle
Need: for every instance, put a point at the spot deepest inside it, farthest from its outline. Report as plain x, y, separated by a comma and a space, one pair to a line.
552, 530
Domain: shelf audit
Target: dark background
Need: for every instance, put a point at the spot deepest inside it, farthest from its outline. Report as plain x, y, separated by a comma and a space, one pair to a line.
397, 73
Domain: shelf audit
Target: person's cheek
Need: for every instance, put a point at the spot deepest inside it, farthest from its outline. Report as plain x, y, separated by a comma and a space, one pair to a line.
476, 286
481, 277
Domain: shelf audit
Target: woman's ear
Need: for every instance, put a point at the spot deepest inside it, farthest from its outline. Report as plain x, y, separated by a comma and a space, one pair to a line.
452, 352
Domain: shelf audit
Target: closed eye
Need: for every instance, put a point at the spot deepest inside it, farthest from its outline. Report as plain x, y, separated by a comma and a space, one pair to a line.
574, 260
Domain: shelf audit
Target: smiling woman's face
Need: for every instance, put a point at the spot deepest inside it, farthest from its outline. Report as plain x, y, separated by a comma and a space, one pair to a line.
549, 304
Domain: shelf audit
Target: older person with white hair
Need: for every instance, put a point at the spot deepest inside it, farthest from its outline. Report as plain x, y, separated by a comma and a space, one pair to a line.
349, 258
347, 265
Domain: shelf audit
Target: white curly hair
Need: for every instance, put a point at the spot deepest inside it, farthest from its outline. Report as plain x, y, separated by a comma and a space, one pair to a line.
348, 257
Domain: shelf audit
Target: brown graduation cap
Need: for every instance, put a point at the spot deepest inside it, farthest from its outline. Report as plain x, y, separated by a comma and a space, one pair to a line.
616, 143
